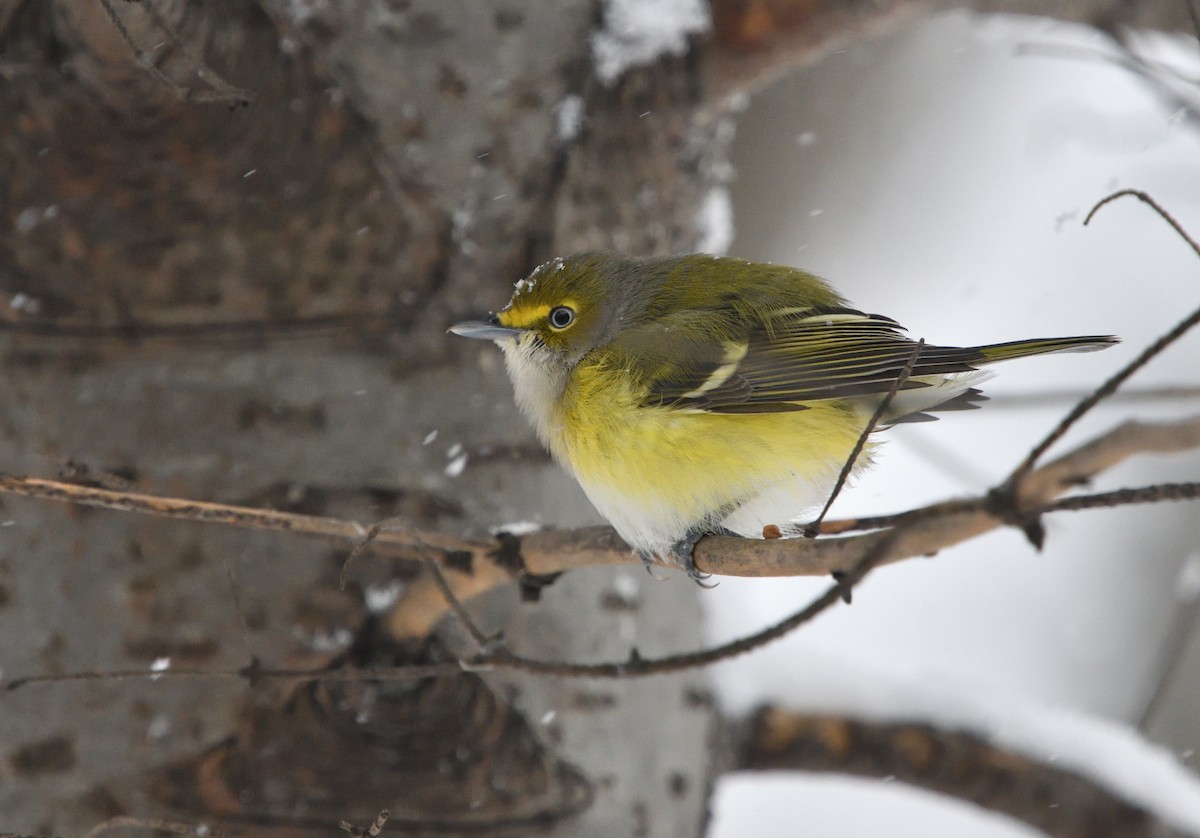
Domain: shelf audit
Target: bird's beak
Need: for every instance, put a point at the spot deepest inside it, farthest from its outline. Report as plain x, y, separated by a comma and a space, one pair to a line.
484, 330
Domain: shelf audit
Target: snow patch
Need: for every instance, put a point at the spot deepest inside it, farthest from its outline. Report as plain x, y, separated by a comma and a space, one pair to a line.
714, 220
380, 598
1187, 583
517, 528
456, 466
569, 116
636, 32
1110, 752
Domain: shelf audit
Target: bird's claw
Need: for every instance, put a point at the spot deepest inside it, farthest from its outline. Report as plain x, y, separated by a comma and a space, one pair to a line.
681, 552
649, 561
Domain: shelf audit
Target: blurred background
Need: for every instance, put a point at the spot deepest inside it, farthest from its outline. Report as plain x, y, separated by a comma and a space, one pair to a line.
941, 175
232, 236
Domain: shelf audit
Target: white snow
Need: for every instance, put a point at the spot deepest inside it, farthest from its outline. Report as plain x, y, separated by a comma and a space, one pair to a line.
827, 806
714, 220
1187, 584
517, 528
1108, 751
456, 466
636, 32
159, 665
569, 117
323, 641
380, 598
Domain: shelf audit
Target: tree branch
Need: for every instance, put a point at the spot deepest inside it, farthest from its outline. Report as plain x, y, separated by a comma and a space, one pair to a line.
472, 566
957, 763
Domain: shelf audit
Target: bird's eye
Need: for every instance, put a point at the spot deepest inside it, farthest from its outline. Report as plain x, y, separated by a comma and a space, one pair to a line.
561, 317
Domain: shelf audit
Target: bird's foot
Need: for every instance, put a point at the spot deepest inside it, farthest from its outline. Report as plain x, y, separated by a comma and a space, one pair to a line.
681, 553
650, 562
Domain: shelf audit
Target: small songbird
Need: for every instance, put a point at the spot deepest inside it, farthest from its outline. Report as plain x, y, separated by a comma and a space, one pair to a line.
696, 394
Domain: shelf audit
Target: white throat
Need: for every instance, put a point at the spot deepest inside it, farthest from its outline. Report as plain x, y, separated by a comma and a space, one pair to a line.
538, 379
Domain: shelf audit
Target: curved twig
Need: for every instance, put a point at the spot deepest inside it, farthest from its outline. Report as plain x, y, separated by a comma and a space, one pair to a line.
1110, 386
918, 532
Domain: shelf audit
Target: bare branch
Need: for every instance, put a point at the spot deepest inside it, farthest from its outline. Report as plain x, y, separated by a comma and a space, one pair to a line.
953, 762
1110, 386
371, 831
221, 90
150, 824
919, 532
471, 567
253, 674
814, 528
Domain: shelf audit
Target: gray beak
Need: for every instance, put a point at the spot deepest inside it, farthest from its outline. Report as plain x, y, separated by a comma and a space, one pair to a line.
484, 330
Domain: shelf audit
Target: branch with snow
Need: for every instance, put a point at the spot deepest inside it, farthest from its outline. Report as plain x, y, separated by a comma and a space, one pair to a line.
1060, 797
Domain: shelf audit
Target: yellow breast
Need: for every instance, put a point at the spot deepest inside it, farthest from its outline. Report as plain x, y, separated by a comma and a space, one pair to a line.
657, 473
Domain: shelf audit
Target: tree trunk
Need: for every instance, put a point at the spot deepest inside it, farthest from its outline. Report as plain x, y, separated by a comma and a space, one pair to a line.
233, 235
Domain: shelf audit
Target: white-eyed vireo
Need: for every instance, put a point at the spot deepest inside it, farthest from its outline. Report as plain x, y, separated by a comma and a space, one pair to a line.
697, 394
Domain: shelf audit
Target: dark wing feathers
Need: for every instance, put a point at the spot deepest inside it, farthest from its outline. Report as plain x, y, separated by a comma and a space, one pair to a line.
793, 357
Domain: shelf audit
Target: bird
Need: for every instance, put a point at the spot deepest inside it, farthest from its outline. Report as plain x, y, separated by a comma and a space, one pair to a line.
695, 394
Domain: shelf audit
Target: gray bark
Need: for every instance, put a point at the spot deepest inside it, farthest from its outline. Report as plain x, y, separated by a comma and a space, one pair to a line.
250, 305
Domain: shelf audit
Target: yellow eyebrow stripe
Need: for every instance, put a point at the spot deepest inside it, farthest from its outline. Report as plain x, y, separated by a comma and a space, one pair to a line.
522, 317
518, 316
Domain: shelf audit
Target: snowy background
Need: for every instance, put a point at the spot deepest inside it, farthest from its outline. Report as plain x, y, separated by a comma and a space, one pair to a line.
940, 176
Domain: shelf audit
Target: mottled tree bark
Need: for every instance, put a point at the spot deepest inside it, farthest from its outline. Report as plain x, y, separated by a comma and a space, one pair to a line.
232, 235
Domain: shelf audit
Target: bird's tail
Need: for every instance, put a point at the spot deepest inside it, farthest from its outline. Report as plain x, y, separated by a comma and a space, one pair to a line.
1043, 346
956, 390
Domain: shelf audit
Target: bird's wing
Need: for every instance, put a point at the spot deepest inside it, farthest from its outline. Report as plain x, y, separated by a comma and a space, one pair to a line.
779, 362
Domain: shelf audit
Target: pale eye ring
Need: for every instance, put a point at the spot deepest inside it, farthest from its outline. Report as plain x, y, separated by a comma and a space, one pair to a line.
561, 317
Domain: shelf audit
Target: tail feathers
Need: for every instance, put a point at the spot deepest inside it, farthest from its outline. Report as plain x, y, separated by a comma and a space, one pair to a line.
1044, 346
956, 391
968, 399
937, 393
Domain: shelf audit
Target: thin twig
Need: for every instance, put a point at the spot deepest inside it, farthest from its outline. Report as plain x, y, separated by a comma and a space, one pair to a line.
1110, 386
144, 61
1161, 78
432, 567
371, 831
252, 675
229, 514
222, 92
1158, 208
370, 535
1103, 391
637, 666
812, 528
1156, 493
482, 641
174, 827
552, 551
1127, 395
